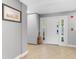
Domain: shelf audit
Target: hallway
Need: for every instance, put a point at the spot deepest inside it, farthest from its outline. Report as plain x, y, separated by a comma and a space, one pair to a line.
50, 52
47, 23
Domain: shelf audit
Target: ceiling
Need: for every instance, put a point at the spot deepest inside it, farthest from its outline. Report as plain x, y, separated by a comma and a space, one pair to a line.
49, 6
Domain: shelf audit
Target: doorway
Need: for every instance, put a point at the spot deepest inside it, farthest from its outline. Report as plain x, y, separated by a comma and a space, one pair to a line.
52, 28
48, 26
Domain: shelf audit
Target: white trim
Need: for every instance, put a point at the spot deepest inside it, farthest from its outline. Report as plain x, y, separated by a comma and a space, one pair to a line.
21, 55
67, 45
57, 13
71, 46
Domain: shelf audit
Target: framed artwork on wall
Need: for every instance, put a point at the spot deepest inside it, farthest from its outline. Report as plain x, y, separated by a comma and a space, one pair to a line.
11, 14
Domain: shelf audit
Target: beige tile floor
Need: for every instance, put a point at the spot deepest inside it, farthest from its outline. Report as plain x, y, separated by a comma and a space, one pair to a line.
50, 52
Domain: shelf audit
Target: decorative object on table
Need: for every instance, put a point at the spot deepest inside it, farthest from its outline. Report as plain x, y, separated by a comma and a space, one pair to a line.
10, 14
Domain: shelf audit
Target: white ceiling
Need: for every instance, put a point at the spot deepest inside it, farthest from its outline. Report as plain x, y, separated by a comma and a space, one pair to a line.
49, 6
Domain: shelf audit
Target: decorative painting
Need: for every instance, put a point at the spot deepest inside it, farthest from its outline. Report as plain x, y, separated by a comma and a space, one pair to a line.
11, 14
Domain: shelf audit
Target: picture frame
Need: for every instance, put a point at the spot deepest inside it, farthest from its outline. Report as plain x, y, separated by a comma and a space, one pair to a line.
11, 14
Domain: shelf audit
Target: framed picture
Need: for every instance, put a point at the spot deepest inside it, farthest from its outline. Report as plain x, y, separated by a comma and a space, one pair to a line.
11, 14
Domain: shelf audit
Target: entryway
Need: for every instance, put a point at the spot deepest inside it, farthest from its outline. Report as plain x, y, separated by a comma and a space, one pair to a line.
52, 30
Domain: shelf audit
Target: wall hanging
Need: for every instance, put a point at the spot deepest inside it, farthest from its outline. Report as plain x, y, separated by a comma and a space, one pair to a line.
10, 14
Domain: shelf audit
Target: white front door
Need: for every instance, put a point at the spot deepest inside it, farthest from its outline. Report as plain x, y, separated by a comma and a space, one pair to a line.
50, 28
51, 31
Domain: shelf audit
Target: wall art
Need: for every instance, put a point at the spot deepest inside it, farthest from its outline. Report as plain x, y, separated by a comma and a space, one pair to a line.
10, 14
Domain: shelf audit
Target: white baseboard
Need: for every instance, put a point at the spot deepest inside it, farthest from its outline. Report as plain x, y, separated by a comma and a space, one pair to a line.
71, 46
21, 55
67, 45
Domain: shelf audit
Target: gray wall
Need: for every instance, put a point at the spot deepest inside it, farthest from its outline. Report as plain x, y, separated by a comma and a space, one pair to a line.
32, 28
11, 34
72, 34
24, 28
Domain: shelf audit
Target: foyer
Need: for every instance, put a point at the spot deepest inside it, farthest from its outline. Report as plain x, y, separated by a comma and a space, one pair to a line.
39, 29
